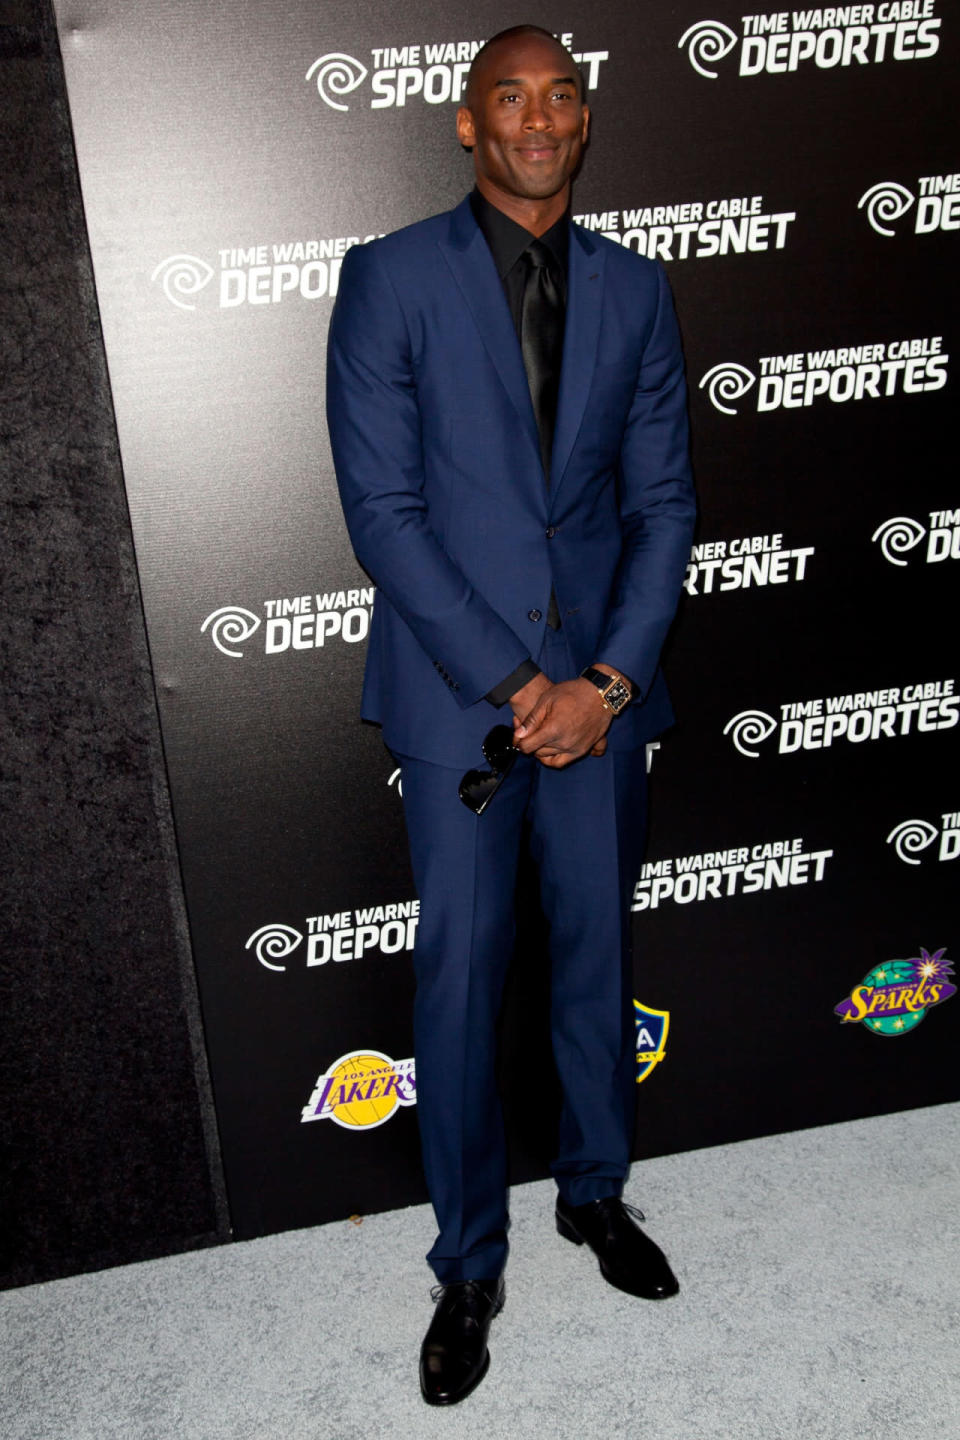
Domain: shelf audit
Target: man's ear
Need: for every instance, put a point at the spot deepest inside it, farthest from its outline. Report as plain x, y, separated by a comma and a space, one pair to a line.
586, 124
466, 132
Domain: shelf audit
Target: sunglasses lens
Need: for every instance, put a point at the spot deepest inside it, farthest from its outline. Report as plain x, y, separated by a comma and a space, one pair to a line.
498, 748
477, 789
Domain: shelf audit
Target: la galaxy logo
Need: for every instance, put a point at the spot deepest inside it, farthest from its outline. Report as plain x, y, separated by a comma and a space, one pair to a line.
652, 1029
896, 995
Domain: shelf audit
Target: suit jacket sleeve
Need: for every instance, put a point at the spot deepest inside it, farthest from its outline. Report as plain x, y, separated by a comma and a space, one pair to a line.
657, 507
375, 432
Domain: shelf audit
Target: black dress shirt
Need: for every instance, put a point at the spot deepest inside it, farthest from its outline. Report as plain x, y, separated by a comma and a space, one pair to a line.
507, 241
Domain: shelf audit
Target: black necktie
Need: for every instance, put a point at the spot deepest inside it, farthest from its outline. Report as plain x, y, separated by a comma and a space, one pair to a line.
542, 315
541, 340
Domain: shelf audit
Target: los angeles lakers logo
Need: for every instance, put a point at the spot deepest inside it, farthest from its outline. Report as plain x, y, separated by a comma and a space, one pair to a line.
362, 1090
652, 1029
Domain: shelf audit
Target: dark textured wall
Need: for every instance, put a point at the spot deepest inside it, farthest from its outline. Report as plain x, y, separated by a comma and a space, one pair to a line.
108, 1148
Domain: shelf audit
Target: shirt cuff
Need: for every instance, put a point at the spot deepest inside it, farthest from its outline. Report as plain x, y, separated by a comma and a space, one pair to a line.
515, 681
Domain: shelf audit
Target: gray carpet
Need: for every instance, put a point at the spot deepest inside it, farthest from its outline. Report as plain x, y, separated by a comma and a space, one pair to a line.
820, 1276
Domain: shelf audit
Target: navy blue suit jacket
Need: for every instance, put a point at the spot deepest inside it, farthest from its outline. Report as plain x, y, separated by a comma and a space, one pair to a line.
438, 463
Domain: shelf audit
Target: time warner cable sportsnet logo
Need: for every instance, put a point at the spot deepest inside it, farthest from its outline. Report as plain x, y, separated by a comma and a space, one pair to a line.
719, 874
362, 1090
852, 372
263, 274
753, 560
433, 72
901, 534
694, 229
344, 935
299, 622
911, 839
867, 715
779, 42
937, 200
894, 997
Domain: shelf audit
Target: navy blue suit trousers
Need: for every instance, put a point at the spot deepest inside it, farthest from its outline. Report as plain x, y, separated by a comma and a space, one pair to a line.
586, 827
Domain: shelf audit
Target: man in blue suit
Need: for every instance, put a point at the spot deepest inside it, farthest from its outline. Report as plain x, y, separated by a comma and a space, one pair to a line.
506, 406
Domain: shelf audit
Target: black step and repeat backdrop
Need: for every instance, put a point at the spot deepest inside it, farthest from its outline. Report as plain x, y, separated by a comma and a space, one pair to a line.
795, 172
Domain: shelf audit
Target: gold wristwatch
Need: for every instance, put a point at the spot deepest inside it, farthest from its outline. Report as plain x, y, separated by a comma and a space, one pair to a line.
614, 690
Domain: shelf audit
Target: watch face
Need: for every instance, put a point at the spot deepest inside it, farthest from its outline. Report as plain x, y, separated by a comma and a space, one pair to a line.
617, 696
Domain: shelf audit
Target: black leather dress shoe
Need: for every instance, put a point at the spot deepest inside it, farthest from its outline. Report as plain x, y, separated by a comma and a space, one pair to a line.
454, 1357
628, 1258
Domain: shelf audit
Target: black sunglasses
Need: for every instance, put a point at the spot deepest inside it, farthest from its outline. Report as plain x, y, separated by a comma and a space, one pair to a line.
478, 787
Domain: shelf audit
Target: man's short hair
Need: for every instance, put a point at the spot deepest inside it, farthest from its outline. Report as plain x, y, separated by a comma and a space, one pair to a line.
509, 34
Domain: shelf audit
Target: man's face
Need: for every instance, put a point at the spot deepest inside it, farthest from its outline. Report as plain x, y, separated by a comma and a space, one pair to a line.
524, 119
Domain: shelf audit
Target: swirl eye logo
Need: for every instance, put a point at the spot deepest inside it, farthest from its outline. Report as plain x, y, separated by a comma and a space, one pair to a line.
898, 535
274, 942
750, 727
182, 275
397, 777
336, 75
230, 625
709, 41
910, 837
885, 201
727, 381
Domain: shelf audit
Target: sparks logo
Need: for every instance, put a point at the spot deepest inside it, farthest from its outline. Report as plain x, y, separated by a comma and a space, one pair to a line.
912, 837
362, 1090
653, 1027
895, 996
938, 207
181, 276
901, 534
842, 35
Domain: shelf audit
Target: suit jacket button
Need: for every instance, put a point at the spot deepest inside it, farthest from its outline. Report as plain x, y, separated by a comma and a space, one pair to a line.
551, 531
534, 615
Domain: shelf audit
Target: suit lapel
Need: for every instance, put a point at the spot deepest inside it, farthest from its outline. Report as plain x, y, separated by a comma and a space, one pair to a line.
468, 256
584, 306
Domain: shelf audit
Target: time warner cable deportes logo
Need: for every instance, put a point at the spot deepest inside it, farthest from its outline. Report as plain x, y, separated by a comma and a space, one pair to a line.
780, 42
343, 935
297, 622
912, 837
938, 207
875, 371
892, 713
901, 534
